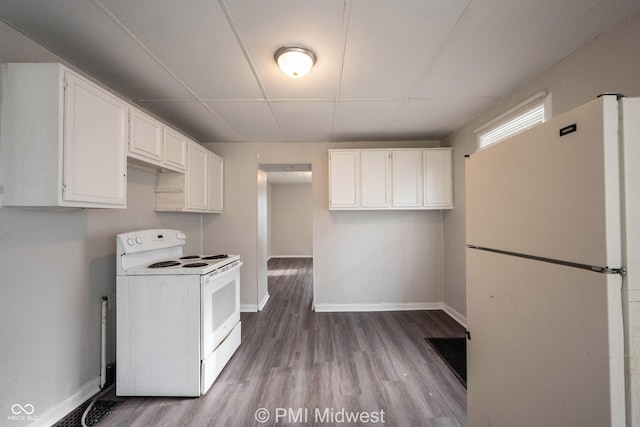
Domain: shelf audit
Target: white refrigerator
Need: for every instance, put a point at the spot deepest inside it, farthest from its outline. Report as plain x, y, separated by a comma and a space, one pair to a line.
552, 259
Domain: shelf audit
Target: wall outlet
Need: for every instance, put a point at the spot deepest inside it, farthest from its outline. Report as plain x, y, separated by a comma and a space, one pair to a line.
111, 301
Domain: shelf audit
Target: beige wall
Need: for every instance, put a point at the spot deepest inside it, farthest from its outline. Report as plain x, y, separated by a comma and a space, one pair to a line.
55, 265
291, 220
372, 257
609, 63
263, 234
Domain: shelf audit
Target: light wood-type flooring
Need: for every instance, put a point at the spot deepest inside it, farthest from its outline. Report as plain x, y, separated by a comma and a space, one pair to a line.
299, 367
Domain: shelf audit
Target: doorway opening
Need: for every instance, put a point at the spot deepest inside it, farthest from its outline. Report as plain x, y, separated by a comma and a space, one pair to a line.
285, 218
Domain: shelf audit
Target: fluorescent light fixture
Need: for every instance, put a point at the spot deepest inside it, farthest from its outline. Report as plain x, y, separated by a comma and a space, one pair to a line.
295, 61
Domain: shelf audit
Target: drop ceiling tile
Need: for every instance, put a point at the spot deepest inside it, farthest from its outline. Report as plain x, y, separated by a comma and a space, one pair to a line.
435, 118
305, 121
532, 32
17, 48
193, 118
363, 120
389, 44
597, 19
265, 27
252, 120
80, 32
447, 51
195, 41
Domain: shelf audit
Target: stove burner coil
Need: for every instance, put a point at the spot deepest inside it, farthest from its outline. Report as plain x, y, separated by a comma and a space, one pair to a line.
196, 264
216, 256
164, 264
190, 257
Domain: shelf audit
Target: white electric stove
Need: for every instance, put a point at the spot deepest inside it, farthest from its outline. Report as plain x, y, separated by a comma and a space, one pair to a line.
178, 316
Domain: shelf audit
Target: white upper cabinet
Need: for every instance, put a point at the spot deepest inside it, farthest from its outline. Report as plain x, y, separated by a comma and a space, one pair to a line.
155, 145
216, 183
197, 186
407, 178
63, 140
344, 179
376, 178
438, 178
175, 150
145, 137
418, 178
199, 189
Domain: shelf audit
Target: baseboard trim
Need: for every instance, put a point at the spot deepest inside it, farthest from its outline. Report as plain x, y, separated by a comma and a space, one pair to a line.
386, 306
291, 256
457, 316
264, 301
248, 308
68, 405
329, 308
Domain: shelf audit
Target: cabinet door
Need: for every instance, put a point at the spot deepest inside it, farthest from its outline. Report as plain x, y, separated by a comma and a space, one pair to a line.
344, 173
216, 182
197, 171
95, 139
175, 150
145, 137
438, 178
407, 178
376, 178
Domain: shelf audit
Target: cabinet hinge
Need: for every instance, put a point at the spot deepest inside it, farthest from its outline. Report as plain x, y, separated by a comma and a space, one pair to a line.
64, 187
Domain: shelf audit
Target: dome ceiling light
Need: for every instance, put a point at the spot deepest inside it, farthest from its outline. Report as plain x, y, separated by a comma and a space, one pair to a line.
295, 61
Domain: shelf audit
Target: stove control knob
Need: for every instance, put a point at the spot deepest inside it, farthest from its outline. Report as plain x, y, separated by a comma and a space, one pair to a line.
139, 240
181, 236
130, 241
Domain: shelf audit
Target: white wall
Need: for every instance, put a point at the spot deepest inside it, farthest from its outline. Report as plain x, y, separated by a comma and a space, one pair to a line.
291, 220
54, 267
360, 257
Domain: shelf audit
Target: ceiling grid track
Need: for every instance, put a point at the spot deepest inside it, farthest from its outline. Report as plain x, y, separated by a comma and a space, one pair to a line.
440, 50
403, 71
64, 58
164, 66
557, 35
245, 52
344, 35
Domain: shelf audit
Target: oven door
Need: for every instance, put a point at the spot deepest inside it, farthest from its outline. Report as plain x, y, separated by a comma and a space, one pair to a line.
220, 307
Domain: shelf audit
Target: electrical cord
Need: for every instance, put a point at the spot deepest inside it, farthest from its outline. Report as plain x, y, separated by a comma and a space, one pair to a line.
95, 399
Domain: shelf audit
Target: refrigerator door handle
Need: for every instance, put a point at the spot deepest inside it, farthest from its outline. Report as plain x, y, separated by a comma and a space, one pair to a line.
604, 270
608, 270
